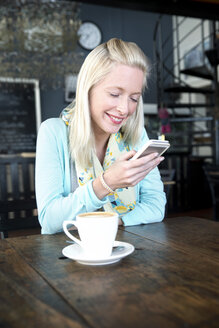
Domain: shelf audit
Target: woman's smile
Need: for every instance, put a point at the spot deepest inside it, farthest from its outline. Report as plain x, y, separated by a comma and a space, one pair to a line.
115, 119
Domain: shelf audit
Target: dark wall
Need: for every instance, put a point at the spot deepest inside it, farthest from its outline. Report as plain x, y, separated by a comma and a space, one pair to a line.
129, 25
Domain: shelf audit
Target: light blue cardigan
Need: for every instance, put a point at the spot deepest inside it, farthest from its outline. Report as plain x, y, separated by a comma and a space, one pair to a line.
55, 200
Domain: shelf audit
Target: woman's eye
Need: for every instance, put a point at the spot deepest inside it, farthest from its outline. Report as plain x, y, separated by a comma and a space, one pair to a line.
135, 100
114, 95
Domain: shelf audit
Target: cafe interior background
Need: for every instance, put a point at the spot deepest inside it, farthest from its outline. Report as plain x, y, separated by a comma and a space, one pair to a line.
42, 46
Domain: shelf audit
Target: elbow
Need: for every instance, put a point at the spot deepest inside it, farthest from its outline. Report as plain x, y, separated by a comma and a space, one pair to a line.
156, 208
45, 229
160, 210
48, 225
159, 217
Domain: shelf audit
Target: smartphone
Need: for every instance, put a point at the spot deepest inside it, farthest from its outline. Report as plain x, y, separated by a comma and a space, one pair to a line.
152, 146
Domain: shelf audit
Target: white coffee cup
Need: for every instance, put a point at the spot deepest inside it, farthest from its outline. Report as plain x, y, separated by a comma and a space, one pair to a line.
97, 231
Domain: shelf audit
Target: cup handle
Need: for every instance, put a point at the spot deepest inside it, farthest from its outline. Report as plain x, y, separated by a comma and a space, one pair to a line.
65, 224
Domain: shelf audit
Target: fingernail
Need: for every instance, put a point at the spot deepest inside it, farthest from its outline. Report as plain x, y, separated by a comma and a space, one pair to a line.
161, 159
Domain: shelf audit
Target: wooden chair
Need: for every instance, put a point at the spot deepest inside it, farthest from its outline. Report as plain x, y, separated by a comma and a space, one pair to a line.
168, 176
212, 174
18, 208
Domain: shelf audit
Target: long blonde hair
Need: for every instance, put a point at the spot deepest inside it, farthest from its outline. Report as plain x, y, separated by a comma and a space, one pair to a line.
96, 66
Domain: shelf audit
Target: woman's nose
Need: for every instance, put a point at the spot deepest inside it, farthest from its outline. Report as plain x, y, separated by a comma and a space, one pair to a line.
123, 108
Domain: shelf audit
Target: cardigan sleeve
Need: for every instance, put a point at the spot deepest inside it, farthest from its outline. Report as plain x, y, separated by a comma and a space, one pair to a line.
55, 201
151, 199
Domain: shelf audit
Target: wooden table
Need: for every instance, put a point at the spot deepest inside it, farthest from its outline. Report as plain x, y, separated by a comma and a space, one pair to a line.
171, 280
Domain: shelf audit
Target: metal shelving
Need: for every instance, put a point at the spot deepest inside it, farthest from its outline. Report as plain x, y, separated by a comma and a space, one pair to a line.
172, 81
190, 92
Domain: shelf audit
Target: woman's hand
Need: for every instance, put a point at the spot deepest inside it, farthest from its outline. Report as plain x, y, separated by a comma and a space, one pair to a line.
127, 173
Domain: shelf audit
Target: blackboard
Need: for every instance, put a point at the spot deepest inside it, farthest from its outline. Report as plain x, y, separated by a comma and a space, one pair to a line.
18, 126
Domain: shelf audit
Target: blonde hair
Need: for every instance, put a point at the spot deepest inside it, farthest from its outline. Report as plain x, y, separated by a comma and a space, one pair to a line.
96, 66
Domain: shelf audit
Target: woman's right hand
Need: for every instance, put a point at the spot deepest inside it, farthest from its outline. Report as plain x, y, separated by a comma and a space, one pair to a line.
127, 173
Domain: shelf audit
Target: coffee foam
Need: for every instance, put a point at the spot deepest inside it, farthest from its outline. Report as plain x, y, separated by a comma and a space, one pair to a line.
97, 214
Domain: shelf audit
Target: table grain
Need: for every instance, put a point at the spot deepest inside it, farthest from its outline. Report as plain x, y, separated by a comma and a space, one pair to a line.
171, 280
194, 235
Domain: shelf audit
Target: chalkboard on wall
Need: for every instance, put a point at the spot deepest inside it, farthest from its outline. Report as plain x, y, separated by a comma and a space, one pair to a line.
20, 115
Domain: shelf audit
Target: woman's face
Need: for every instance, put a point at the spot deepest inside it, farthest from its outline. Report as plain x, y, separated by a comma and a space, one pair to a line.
114, 99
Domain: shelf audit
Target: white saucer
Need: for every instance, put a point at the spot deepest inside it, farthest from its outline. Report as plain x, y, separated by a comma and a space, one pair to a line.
75, 252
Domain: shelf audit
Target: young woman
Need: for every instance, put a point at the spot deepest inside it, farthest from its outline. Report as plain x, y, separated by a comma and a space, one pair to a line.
83, 158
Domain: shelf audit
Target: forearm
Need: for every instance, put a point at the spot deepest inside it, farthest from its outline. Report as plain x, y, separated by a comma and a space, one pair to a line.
100, 190
54, 210
146, 212
151, 201
55, 201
